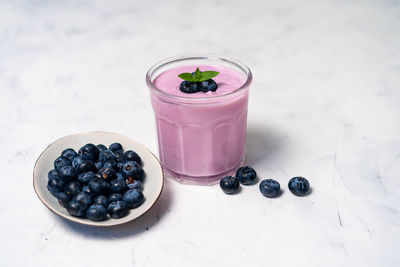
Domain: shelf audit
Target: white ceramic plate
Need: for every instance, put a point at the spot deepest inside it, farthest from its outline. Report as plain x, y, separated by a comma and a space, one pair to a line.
153, 182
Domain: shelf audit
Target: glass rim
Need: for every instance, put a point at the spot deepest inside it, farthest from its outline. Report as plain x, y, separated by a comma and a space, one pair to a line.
169, 60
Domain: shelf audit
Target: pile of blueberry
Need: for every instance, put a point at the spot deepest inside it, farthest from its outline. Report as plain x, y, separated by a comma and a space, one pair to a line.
299, 186
98, 182
194, 87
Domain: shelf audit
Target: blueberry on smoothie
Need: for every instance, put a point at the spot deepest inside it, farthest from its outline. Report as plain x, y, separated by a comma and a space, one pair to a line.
270, 188
229, 184
246, 175
299, 186
198, 81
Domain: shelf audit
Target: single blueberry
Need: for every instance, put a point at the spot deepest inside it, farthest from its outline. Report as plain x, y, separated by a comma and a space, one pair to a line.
96, 213
101, 147
114, 197
60, 162
246, 175
299, 186
84, 198
85, 177
117, 209
53, 174
115, 147
107, 174
269, 188
189, 87
208, 85
132, 156
73, 188
55, 186
76, 208
135, 185
69, 153
106, 155
102, 200
63, 199
67, 173
133, 198
89, 152
112, 164
229, 184
98, 186
132, 171
118, 186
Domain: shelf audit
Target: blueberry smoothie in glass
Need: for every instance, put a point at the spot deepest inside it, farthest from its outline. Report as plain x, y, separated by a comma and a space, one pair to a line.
200, 105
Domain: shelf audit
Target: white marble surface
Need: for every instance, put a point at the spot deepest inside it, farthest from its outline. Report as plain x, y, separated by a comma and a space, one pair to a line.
325, 103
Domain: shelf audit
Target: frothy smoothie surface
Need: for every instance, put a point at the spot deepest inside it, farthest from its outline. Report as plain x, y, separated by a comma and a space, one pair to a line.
228, 80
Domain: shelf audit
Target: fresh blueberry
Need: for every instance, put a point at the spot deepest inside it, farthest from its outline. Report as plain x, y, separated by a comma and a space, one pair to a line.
132, 171
107, 174
120, 156
73, 188
299, 186
69, 153
132, 156
106, 155
96, 213
60, 162
63, 198
208, 85
55, 186
120, 177
89, 152
83, 165
98, 165
189, 87
98, 186
76, 208
115, 147
269, 188
67, 173
102, 200
246, 175
84, 198
86, 190
118, 186
135, 185
101, 147
119, 166
112, 164
229, 184
133, 198
117, 209
86, 177
53, 174
114, 197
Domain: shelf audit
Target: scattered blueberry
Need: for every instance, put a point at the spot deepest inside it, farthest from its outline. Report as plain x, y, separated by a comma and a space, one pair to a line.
269, 188
115, 147
76, 208
60, 162
96, 213
69, 153
117, 209
114, 197
73, 188
134, 198
246, 175
132, 156
189, 87
299, 186
89, 152
229, 184
102, 200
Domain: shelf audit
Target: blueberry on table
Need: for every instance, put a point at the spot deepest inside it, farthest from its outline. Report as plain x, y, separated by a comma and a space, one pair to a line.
269, 188
132, 156
229, 184
117, 209
246, 175
69, 153
73, 188
60, 162
107, 174
133, 198
89, 152
101, 147
132, 171
67, 173
115, 147
53, 174
63, 198
135, 185
96, 213
55, 186
118, 186
98, 186
208, 85
84, 198
102, 200
189, 87
299, 186
76, 208
114, 197
85, 177
106, 155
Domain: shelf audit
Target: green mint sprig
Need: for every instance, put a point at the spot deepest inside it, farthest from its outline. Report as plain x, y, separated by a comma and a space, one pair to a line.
198, 76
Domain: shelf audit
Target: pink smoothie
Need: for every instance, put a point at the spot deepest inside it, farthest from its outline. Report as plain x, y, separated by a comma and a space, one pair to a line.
203, 139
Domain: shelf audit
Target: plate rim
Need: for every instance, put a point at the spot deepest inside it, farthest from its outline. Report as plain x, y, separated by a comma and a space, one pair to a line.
83, 221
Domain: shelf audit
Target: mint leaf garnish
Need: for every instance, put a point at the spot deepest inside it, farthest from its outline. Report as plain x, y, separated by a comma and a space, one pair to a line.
186, 76
198, 76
